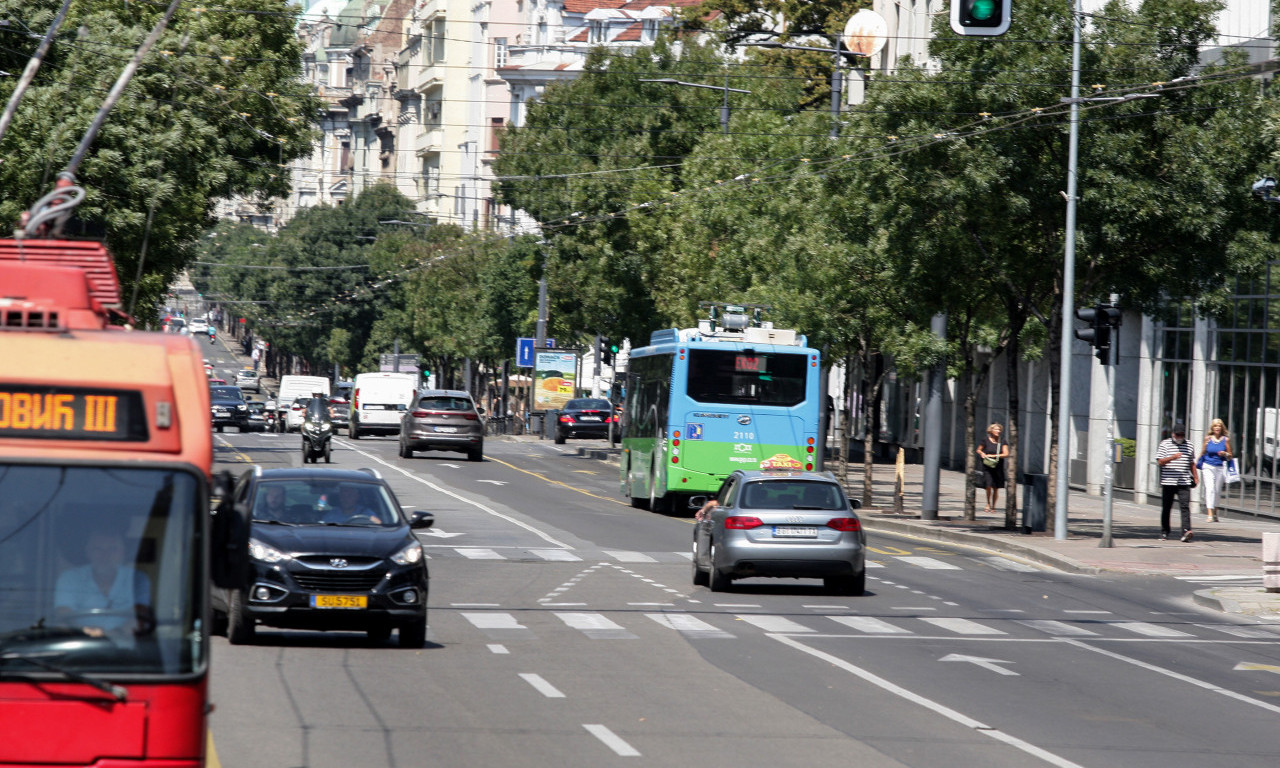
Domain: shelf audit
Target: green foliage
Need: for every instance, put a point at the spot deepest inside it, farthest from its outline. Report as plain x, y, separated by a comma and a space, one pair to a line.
213, 111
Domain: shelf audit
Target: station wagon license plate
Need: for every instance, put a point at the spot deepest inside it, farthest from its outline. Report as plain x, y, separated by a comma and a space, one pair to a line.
446, 429
795, 531
339, 601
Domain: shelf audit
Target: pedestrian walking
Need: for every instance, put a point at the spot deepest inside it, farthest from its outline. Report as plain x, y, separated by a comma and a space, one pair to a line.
1177, 477
993, 452
1214, 456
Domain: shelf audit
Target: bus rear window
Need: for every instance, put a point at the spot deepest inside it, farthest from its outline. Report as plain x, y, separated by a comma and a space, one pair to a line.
746, 378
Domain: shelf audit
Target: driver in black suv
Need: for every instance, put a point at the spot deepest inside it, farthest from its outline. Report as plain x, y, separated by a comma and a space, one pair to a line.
351, 503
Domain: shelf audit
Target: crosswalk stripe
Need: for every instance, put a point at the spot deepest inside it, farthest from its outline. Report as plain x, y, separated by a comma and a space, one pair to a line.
962, 626
1058, 628
630, 557
595, 626
1240, 631
772, 623
476, 553
930, 563
558, 555
689, 625
493, 620
1147, 630
1005, 564
870, 625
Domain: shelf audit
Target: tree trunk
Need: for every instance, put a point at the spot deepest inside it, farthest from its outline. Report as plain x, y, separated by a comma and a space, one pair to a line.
1011, 431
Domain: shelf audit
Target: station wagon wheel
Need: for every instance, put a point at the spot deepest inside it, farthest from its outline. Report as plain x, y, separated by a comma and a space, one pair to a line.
853, 585
405, 451
700, 577
717, 581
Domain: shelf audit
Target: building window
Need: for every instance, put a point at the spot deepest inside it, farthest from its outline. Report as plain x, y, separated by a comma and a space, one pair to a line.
500, 52
595, 32
437, 40
495, 133
649, 30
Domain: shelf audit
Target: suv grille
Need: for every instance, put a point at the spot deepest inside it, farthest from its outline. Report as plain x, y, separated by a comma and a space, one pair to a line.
337, 581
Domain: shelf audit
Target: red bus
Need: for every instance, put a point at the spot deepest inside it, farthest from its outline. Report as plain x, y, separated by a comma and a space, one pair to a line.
105, 527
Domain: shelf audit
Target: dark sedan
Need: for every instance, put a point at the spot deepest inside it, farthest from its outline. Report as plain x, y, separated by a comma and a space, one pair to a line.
584, 417
331, 550
227, 408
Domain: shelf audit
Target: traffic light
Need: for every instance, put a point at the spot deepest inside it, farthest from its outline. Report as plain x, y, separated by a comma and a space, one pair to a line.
1103, 320
981, 17
606, 351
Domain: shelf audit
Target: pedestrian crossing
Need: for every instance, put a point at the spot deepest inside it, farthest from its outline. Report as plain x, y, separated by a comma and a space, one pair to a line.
597, 625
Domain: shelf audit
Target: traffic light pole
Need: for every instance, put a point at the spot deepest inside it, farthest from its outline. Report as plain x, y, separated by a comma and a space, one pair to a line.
1108, 472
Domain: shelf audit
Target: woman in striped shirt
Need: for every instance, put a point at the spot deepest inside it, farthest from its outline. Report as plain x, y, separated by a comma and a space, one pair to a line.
1177, 463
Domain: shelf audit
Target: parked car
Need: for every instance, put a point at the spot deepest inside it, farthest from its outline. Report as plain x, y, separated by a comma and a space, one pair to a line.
227, 407
782, 524
584, 417
293, 416
331, 550
443, 420
247, 378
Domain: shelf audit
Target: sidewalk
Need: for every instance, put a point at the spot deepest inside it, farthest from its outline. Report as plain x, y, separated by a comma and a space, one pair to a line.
1232, 547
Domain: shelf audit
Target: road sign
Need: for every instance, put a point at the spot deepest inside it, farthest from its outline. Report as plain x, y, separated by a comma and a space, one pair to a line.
524, 351
407, 363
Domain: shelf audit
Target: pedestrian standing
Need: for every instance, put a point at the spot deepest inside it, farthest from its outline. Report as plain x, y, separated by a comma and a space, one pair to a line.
1214, 456
1177, 477
993, 452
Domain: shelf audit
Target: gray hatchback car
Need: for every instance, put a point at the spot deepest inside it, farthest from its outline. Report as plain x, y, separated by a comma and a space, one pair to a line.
443, 420
787, 524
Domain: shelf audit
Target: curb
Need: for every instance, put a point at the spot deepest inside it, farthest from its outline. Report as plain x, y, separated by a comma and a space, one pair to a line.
978, 541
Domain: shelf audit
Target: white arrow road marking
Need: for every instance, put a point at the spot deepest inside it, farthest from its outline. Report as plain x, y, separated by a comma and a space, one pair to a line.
439, 534
1252, 667
450, 466
493, 482
991, 664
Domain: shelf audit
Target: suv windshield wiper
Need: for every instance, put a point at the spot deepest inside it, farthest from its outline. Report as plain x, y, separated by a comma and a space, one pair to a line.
119, 692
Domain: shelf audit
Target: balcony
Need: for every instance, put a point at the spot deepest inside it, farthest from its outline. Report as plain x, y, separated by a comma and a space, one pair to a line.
429, 141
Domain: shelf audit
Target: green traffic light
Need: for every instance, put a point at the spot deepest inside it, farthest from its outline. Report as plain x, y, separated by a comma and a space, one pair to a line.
982, 9
613, 348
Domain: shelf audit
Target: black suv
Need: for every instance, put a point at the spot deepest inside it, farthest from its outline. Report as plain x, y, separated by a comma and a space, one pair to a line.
331, 550
227, 407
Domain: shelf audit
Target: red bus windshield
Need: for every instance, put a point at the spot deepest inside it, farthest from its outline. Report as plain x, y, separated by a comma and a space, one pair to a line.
100, 571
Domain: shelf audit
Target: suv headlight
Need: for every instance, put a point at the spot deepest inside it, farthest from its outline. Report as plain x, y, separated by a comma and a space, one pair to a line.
409, 555
260, 551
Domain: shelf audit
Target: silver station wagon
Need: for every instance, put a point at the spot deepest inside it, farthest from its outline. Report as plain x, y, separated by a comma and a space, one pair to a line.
783, 524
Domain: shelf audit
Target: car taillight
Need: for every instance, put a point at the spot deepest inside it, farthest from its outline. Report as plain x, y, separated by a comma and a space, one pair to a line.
844, 524
566, 419
470, 417
742, 523
296, 408
419, 414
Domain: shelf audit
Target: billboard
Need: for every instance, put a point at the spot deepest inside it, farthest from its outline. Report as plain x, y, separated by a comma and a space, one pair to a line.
555, 378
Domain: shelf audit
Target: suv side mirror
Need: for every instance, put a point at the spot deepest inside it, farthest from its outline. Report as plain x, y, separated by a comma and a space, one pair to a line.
421, 520
229, 565
479, 410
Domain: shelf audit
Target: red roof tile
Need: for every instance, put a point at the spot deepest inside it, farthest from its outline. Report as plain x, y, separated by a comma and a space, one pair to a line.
629, 35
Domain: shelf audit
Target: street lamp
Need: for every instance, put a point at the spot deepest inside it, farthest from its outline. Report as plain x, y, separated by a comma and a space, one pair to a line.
837, 75
724, 108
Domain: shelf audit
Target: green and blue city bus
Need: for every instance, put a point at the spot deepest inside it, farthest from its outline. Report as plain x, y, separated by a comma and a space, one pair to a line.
703, 402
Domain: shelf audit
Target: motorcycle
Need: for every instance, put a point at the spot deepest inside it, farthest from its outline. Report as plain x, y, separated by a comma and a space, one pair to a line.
213, 336
317, 432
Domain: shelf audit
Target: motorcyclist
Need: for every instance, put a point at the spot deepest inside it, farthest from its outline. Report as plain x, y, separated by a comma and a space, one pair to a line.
213, 334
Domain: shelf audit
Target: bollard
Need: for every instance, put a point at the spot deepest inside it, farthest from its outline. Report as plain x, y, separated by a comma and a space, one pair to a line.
1271, 562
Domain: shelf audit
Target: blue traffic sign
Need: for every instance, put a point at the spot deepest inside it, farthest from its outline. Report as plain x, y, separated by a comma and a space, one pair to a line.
524, 351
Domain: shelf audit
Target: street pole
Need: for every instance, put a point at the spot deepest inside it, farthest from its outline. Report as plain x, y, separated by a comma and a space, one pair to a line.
1068, 290
837, 90
933, 427
1109, 470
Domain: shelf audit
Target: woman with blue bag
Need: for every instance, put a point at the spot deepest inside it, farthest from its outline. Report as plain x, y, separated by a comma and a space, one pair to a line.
1213, 463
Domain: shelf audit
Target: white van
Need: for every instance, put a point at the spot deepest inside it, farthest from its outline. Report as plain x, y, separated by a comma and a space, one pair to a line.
379, 401
291, 388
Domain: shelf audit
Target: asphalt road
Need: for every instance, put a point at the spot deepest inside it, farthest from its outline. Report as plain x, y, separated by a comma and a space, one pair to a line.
565, 631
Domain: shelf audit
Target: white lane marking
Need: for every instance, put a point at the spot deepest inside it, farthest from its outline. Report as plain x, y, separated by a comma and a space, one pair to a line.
1240, 631
826, 607
498, 649
962, 626
540, 534
874, 564
1056, 628
1004, 564
493, 620
493, 482
685, 623
686, 555
629, 557
931, 563
1104, 613
439, 534
474, 605
450, 466
595, 626
650, 605
556, 554
1177, 676
735, 605
991, 664
1147, 630
773, 623
870, 625
930, 704
612, 741
1227, 577
478, 553
541, 686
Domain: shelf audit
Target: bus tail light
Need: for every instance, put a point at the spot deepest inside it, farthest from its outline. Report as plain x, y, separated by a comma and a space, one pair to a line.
847, 524
741, 523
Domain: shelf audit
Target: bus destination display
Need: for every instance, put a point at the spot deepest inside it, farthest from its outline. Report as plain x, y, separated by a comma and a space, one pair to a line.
56, 413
